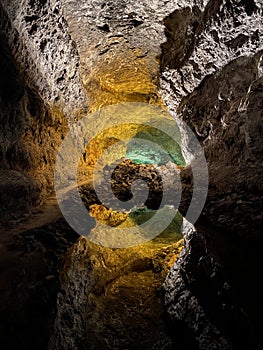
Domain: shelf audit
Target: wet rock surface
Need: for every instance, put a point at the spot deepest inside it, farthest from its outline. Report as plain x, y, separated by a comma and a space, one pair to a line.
212, 294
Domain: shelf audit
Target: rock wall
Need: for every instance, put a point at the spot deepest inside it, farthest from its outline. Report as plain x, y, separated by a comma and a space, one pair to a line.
40, 85
45, 53
212, 79
30, 133
204, 60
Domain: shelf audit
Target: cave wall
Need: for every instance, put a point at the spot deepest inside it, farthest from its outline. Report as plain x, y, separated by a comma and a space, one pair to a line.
29, 135
210, 54
40, 90
212, 79
53, 59
45, 53
59, 63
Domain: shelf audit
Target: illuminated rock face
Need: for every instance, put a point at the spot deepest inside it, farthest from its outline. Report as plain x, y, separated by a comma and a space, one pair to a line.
30, 134
116, 294
71, 58
121, 74
212, 66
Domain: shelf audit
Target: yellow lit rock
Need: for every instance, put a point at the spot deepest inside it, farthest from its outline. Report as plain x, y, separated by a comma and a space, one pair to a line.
107, 216
123, 77
124, 283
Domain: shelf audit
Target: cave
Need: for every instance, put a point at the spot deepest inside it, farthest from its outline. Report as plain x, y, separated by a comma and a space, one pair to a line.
131, 174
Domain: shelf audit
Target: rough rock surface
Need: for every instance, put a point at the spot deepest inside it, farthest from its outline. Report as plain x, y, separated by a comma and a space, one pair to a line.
44, 52
61, 56
31, 130
111, 298
212, 295
212, 80
30, 133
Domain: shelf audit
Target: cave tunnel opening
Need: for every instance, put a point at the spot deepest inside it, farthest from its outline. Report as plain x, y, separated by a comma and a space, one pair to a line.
101, 74
123, 162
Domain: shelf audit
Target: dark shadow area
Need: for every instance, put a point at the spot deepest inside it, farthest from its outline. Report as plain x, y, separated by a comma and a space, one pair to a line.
29, 284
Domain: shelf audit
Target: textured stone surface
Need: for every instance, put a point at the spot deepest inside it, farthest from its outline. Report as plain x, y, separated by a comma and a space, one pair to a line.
212, 293
110, 298
57, 57
29, 280
212, 79
201, 41
30, 131
38, 36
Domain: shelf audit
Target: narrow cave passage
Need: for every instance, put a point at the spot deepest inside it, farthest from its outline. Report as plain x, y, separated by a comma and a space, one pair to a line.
92, 172
108, 293
129, 160
93, 291
113, 275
